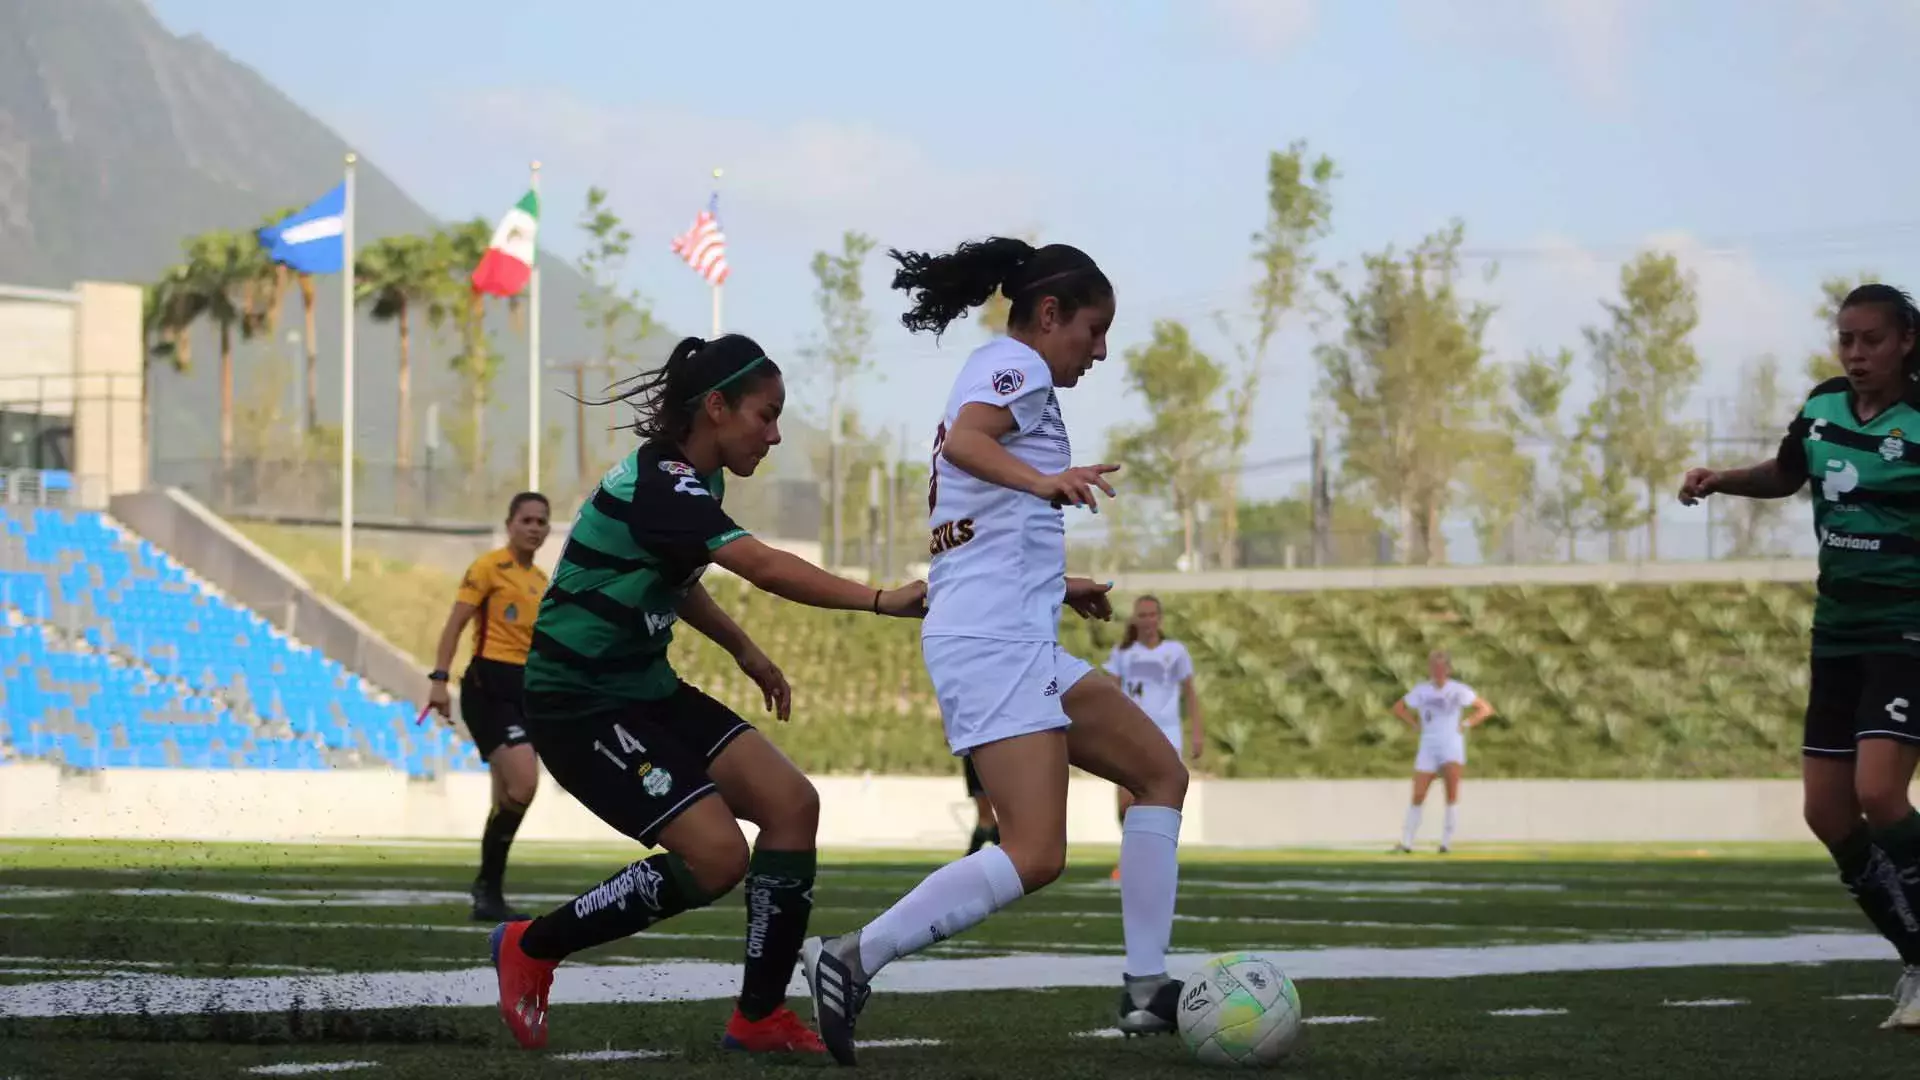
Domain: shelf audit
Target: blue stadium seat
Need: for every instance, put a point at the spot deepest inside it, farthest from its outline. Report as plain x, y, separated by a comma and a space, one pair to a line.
112, 656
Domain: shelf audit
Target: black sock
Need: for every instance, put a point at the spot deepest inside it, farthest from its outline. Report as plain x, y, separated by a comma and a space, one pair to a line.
1871, 877
979, 839
495, 839
779, 890
645, 893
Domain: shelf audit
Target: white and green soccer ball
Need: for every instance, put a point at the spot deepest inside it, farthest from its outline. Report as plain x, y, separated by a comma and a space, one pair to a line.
1239, 1009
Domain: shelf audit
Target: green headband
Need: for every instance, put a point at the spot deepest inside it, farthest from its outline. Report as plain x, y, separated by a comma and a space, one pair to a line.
729, 380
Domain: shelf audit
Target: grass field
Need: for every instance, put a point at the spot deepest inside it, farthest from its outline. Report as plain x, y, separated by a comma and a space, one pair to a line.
234, 960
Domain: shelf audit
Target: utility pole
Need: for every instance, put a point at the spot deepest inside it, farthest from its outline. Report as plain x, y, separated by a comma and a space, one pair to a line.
579, 368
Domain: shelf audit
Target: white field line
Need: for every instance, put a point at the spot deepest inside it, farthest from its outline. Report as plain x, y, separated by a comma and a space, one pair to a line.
701, 980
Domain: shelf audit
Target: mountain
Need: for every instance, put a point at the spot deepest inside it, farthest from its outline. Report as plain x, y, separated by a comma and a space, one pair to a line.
118, 139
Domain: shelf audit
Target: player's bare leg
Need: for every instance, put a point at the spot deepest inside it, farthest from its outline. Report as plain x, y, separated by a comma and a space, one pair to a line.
1450, 776
1411, 828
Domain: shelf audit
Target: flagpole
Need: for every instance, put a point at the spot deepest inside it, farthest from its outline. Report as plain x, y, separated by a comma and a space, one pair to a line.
346, 378
533, 356
717, 288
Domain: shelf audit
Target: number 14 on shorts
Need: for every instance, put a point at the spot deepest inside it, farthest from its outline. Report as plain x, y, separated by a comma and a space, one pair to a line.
656, 782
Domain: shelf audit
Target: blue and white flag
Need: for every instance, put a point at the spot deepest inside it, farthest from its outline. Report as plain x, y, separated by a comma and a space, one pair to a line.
312, 241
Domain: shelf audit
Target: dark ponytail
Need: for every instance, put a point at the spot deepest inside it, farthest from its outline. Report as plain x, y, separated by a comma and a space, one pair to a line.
1904, 313
946, 287
667, 399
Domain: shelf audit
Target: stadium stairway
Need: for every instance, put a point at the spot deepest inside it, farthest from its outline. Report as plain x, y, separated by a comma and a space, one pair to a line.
113, 655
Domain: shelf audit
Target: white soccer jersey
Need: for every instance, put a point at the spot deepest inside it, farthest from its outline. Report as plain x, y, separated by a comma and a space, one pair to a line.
1439, 707
999, 556
1152, 678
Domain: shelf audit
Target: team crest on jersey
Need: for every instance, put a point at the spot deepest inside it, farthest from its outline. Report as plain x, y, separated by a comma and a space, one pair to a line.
1893, 447
676, 468
1008, 381
512, 614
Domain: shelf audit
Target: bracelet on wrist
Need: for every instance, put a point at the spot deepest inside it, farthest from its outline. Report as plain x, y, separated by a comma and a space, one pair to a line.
438, 675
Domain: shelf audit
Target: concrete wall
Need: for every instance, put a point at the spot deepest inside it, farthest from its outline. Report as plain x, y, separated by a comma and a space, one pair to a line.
210, 547
37, 800
1415, 577
80, 353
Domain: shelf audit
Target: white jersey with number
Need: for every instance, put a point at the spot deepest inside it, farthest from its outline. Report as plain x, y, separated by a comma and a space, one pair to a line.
1152, 678
999, 556
1439, 708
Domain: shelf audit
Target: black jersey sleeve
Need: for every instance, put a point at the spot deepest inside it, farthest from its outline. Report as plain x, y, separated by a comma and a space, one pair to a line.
675, 510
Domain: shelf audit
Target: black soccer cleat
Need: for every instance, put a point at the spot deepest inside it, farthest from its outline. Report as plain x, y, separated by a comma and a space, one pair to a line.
1149, 1005
491, 907
840, 990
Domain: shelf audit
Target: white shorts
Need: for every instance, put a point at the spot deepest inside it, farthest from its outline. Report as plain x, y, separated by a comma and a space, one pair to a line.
991, 689
1437, 752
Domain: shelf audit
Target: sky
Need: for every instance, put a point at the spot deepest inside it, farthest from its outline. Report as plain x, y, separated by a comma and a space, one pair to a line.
1763, 141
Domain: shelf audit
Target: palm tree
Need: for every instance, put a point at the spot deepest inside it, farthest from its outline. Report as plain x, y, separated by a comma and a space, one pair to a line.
219, 281
401, 276
168, 309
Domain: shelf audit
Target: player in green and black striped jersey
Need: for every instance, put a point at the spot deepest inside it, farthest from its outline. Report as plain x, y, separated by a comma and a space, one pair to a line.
649, 754
1857, 440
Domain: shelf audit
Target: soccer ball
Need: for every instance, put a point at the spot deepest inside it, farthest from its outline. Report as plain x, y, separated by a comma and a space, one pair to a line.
1239, 1009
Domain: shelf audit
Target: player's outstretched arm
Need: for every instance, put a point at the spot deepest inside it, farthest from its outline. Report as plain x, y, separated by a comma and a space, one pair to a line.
1770, 479
702, 612
973, 446
791, 577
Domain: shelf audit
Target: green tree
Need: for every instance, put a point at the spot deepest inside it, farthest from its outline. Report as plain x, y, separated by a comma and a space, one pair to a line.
1176, 453
1647, 367
621, 318
221, 275
1539, 387
459, 249
1270, 527
1761, 413
168, 309
1299, 213
402, 277
846, 334
1411, 387
1823, 365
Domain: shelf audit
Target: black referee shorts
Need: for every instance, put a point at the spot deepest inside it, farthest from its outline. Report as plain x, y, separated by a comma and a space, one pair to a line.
493, 705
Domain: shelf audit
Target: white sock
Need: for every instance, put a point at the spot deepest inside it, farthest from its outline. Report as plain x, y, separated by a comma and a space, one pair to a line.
1412, 827
947, 902
1446, 830
1149, 878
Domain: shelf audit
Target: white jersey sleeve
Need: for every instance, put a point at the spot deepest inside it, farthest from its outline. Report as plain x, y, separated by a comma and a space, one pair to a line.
999, 556
1115, 661
1182, 663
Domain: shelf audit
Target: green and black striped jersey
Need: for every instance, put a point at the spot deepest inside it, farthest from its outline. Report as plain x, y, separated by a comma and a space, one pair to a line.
637, 547
1866, 513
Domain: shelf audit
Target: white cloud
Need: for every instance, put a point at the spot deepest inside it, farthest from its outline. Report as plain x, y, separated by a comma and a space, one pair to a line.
1591, 37
809, 179
1265, 26
1545, 299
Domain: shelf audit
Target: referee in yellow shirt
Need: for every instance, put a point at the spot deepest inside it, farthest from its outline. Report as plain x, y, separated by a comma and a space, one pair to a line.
502, 591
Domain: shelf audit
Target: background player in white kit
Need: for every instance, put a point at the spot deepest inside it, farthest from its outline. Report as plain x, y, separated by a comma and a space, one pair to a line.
1011, 699
1156, 672
1433, 709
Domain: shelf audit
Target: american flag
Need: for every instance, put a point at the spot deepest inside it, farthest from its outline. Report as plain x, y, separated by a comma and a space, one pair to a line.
704, 246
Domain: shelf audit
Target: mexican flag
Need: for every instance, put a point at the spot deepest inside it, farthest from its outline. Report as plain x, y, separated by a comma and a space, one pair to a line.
508, 263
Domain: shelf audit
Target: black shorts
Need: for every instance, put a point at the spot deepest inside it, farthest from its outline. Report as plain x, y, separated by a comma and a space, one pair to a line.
636, 765
974, 790
1863, 696
492, 705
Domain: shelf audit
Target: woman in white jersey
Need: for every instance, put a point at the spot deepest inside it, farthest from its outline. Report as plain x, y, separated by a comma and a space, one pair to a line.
1020, 707
1156, 672
1433, 709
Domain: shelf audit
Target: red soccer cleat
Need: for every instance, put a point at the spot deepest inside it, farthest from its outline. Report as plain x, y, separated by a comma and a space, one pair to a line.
524, 983
780, 1032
